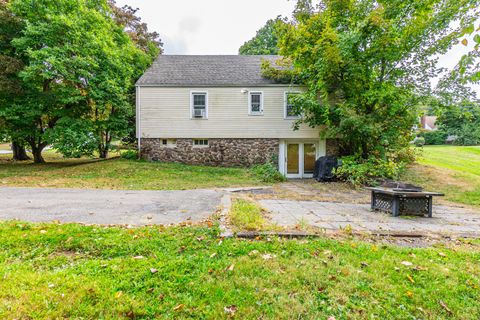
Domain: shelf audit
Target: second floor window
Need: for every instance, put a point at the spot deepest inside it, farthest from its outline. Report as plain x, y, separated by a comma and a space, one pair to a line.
290, 110
199, 105
255, 103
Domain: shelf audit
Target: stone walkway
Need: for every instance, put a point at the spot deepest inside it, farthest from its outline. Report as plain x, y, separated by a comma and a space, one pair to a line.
335, 216
107, 206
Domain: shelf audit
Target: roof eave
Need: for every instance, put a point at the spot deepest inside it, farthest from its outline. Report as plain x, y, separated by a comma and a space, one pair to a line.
218, 85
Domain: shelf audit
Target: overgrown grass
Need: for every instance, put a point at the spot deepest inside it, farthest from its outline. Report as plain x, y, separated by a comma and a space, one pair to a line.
51, 271
119, 174
454, 170
246, 215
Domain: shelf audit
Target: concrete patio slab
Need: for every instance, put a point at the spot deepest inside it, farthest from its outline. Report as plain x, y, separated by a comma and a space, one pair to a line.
107, 206
335, 216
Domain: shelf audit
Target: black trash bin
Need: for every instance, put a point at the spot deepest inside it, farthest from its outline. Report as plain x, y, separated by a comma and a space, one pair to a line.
324, 167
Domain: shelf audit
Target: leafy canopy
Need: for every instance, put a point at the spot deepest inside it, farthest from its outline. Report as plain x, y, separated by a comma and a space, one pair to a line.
79, 64
265, 41
366, 64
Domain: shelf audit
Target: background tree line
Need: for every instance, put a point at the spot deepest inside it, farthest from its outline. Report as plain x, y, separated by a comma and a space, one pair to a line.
67, 74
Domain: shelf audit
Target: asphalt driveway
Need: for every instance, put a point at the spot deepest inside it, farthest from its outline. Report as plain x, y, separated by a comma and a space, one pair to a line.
107, 206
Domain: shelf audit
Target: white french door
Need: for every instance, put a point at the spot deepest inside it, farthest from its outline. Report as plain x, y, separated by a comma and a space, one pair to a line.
300, 159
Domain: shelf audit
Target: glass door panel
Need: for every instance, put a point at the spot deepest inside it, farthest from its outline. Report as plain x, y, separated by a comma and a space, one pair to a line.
293, 165
309, 155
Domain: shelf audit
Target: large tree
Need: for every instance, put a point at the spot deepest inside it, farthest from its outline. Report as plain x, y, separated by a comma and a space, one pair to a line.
366, 63
80, 65
265, 41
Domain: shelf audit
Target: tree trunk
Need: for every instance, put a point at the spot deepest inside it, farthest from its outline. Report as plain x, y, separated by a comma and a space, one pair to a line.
19, 152
37, 152
103, 153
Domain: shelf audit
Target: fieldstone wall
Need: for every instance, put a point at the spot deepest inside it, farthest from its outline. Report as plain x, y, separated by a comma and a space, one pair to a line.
219, 152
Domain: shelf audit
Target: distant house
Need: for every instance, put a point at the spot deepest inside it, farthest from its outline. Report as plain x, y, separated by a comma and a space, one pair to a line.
428, 123
220, 110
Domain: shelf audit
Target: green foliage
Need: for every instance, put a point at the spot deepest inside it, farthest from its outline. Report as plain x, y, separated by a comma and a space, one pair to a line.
73, 138
265, 41
79, 66
355, 59
419, 141
129, 154
461, 120
468, 134
268, 172
434, 137
358, 171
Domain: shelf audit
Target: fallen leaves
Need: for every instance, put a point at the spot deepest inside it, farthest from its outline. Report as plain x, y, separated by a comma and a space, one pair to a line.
179, 307
253, 253
407, 263
267, 256
409, 277
445, 307
230, 310
230, 268
153, 270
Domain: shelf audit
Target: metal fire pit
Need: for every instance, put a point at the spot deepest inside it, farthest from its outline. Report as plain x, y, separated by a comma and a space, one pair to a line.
405, 201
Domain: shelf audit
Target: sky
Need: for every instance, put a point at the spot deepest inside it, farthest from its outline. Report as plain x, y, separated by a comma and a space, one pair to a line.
207, 26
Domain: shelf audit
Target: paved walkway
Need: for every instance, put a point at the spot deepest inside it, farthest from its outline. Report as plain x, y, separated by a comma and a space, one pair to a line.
333, 216
107, 206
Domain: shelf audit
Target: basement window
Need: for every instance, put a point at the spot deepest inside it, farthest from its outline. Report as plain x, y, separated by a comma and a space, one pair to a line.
200, 142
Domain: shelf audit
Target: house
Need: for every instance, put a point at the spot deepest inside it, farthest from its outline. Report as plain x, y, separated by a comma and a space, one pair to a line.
220, 110
428, 123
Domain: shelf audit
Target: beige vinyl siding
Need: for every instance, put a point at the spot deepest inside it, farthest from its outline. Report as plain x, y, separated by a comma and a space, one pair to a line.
165, 113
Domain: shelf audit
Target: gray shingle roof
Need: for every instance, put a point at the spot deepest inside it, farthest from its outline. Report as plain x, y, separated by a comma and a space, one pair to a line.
211, 70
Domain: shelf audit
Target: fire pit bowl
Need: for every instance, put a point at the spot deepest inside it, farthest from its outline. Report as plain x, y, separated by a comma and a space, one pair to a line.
403, 200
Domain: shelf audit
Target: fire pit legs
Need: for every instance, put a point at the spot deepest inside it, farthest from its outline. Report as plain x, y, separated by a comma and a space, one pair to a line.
395, 206
430, 202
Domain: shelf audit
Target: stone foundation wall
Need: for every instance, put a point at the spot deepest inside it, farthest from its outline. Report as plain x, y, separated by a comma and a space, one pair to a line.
219, 152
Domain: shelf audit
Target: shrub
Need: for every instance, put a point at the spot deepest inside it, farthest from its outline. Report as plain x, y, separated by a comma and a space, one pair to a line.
268, 172
129, 154
419, 141
468, 135
435, 137
366, 172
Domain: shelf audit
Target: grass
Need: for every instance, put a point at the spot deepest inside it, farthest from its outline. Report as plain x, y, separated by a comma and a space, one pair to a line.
453, 170
247, 215
52, 271
119, 174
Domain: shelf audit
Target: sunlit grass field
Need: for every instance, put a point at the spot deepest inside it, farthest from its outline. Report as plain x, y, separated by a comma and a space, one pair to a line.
454, 170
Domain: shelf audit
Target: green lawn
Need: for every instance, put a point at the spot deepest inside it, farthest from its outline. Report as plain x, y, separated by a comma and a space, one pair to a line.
119, 174
454, 170
51, 271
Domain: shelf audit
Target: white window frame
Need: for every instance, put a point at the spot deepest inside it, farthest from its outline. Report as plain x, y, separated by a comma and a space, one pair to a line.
285, 98
200, 145
255, 113
192, 93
